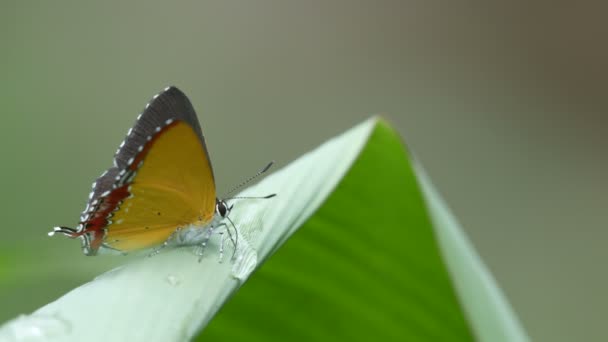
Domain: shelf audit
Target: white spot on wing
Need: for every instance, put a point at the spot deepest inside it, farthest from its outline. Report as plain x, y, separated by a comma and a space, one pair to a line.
105, 193
167, 88
130, 161
158, 129
169, 121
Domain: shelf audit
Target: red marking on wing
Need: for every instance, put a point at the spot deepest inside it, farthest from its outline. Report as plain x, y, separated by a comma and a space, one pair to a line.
98, 219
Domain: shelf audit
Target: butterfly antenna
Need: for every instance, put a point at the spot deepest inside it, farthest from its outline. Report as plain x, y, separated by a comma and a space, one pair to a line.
262, 171
251, 197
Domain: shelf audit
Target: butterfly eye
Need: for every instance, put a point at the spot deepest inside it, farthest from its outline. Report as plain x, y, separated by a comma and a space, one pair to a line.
220, 208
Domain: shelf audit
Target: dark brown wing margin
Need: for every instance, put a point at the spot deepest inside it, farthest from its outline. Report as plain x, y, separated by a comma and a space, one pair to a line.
171, 104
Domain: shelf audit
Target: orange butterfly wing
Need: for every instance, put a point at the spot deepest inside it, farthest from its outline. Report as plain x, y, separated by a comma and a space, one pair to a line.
172, 188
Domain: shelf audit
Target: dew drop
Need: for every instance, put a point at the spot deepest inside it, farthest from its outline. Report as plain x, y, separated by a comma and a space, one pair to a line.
173, 280
35, 327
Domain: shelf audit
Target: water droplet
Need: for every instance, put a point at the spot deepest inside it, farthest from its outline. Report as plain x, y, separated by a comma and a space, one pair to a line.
34, 327
173, 280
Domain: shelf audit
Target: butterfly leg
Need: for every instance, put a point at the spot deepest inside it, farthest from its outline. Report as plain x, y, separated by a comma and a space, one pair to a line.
221, 247
233, 239
201, 248
165, 244
203, 245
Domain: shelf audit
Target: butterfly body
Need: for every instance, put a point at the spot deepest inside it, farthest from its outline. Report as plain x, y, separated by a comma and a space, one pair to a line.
196, 233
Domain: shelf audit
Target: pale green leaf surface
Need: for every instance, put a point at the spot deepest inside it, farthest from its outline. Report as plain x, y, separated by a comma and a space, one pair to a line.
376, 255
170, 296
365, 266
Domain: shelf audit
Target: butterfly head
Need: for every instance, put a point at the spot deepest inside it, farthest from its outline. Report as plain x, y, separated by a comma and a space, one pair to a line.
221, 208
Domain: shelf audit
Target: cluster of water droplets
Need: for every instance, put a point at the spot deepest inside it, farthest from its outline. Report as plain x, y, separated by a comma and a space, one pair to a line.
34, 327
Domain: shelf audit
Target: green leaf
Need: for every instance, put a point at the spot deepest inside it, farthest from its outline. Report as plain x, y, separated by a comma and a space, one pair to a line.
366, 262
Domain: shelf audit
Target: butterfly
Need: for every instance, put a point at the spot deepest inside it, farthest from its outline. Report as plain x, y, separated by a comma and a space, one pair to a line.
161, 187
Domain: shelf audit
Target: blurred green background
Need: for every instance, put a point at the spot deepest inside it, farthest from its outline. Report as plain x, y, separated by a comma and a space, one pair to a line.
504, 103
